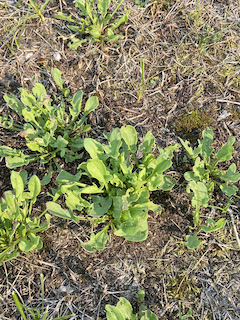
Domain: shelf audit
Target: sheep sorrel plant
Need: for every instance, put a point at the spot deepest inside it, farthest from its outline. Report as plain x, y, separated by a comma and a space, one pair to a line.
123, 310
17, 228
205, 174
121, 184
96, 22
52, 126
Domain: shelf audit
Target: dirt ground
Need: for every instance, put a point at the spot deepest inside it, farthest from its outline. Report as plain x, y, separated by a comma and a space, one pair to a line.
191, 55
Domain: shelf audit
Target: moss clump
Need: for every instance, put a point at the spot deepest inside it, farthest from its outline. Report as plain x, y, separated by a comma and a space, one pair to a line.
194, 120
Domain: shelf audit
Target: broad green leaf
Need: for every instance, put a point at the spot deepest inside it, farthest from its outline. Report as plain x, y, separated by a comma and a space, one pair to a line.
76, 103
39, 91
26, 244
200, 191
100, 206
47, 177
97, 170
97, 241
94, 148
66, 177
125, 307
148, 143
34, 186
113, 313
192, 242
148, 315
161, 182
56, 73
129, 135
27, 99
11, 202
13, 103
14, 162
228, 190
17, 183
225, 153
230, 175
214, 226
58, 211
91, 104
115, 143
204, 145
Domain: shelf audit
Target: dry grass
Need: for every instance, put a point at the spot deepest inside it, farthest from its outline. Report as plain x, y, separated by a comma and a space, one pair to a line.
191, 55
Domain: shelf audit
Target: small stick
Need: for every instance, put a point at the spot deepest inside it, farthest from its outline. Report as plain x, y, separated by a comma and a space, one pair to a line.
234, 227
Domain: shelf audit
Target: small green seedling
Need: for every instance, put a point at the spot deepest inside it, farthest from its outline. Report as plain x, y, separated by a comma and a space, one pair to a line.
122, 175
18, 228
52, 128
34, 312
95, 24
205, 176
123, 310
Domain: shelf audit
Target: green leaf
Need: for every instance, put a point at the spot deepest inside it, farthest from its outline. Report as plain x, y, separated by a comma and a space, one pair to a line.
230, 175
228, 190
122, 311
34, 186
100, 206
192, 242
97, 241
76, 103
58, 211
148, 143
94, 148
14, 162
225, 153
26, 244
113, 313
47, 177
103, 6
39, 91
91, 104
17, 183
214, 226
56, 73
129, 135
148, 315
13, 103
98, 170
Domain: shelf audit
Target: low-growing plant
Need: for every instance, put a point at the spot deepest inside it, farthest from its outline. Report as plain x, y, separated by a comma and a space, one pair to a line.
18, 228
34, 312
52, 126
204, 178
95, 23
122, 175
123, 310
205, 175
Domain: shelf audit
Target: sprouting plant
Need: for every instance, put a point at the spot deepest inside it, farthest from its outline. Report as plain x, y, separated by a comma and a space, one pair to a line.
95, 22
34, 312
205, 175
52, 128
122, 176
141, 3
18, 228
204, 178
123, 310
